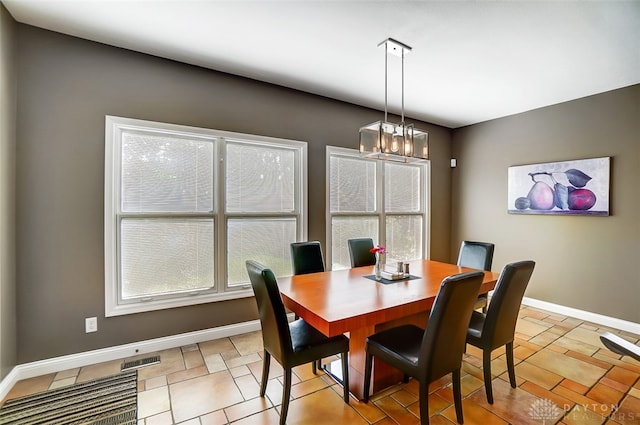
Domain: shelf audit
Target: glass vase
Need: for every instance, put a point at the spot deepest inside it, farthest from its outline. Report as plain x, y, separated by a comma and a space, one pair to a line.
376, 268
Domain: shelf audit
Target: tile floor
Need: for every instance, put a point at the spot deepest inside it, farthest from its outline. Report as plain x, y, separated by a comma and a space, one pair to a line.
564, 374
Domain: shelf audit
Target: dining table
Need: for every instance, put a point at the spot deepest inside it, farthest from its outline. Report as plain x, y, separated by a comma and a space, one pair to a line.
353, 302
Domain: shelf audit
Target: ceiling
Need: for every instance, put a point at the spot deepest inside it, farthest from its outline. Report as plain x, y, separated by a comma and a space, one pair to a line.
471, 61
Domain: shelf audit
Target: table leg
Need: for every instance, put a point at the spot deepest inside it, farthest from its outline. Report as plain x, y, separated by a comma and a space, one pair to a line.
383, 375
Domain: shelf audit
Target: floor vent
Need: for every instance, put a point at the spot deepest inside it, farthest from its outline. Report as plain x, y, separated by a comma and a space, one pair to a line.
133, 364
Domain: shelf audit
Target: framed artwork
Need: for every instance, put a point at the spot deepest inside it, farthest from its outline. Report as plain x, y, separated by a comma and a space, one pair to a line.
578, 187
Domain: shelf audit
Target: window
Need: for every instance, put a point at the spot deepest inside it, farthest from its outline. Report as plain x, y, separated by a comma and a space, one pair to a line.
386, 201
186, 207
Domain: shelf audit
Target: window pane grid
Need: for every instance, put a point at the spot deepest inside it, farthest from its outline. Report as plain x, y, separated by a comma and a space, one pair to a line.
166, 173
352, 185
162, 256
259, 178
165, 238
398, 213
265, 240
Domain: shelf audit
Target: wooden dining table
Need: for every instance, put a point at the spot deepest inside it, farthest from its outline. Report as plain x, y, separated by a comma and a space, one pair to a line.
346, 301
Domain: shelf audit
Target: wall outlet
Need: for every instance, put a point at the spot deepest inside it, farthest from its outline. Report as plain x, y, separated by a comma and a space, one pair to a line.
91, 324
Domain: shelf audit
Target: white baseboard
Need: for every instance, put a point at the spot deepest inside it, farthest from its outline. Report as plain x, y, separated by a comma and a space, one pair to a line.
58, 364
600, 319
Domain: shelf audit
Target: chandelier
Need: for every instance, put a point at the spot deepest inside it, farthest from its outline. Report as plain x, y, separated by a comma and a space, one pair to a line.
389, 141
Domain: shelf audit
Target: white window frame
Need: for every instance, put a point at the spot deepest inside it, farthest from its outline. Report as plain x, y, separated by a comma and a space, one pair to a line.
425, 207
114, 126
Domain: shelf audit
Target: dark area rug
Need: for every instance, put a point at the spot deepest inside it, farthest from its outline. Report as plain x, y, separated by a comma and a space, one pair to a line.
105, 401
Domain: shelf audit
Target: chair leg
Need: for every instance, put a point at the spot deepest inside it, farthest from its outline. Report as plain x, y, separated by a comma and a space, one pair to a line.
345, 376
266, 361
510, 364
486, 369
457, 395
286, 393
368, 365
423, 395
314, 367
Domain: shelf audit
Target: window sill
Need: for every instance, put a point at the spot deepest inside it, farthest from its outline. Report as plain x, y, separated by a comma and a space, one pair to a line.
161, 304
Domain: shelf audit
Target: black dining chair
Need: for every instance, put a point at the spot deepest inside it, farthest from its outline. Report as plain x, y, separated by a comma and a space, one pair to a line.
497, 327
477, 255
360, 252
431, 354
306, 257
620, 345
291, 344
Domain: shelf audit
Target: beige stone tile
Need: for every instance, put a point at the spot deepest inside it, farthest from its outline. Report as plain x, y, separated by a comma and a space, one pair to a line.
62, 383
206, 394
184, 375
544, 338
634, 392
324, 407
240, 371
248, 343
158, 381
189, 348
275, 369
369, 411
537, 375
588, 336
473, 413
99, 370
405, 398
521, 352
243, 360
216, 346
469, 384
193, 359
247, 408
215, 363
153, 402
574, 369
396, 411
163, 418
215, 418
266, 417
307, 387
229, 355
529, 328
170, 361
69, 373
576, 345
274, 391
249, 387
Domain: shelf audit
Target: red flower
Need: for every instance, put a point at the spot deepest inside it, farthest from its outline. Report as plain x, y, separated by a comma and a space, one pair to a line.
378, 249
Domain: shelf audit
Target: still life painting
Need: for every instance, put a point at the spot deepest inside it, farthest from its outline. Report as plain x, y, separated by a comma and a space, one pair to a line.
577, 187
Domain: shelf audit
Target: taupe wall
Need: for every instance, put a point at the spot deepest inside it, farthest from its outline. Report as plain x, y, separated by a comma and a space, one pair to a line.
7, 194
588, 263
66, 87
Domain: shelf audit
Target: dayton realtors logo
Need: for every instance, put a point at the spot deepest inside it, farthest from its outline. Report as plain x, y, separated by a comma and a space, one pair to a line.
545, 410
